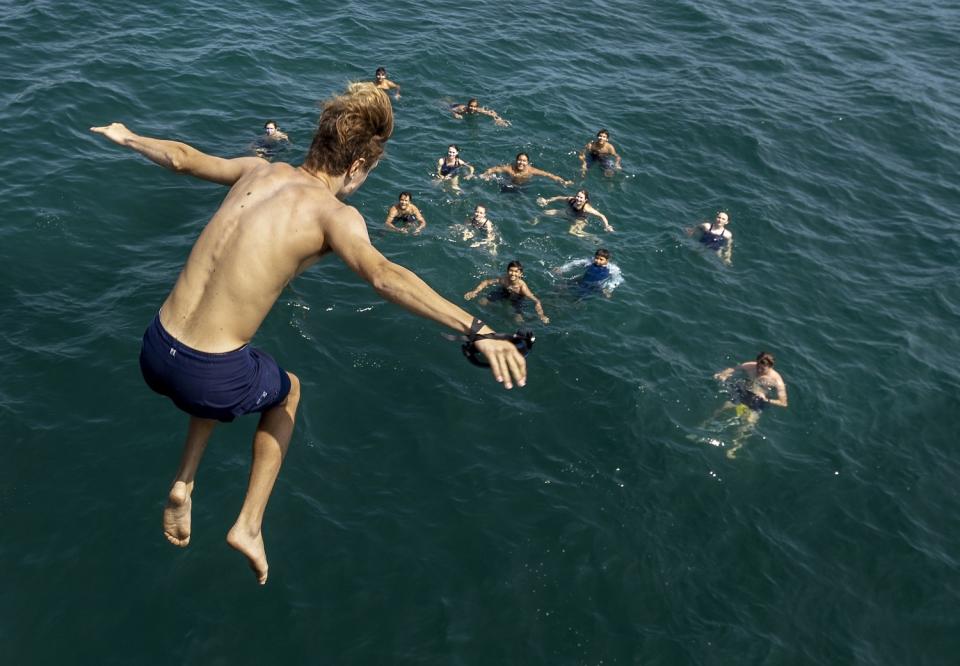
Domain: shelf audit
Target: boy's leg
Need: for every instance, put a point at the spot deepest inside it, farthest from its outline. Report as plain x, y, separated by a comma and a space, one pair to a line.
176, 515
270, 445
746, 427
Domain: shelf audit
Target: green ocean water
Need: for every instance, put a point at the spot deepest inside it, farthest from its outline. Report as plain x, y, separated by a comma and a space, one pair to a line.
424, 515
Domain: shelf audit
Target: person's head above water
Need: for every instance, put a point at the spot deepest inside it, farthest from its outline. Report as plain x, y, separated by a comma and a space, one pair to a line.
722, 219
472, 104
352, 132
480, 212
270, 127
765, 362
453, 150
581, 197
380, 74
601, 257
404, 199
603, 136
523, 161
514, 270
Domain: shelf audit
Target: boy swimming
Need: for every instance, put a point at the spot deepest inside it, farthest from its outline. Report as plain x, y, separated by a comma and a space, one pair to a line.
510, 287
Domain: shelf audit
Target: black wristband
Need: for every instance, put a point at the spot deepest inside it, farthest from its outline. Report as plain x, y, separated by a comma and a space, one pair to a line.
475, 327
522, 340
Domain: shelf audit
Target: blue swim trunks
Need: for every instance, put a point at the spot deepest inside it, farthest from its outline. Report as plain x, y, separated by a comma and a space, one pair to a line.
211, 386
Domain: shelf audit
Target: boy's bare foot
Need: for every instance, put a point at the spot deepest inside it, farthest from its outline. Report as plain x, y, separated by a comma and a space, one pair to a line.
251, 545
176, 515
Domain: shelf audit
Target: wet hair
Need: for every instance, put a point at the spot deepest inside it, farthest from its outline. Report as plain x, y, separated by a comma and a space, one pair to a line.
380, 70
454, 146
586, 195
472, 100
479, 206
765, 358
603, 130
602, 252
519, 155
405, 194
353, 126
271, 122
515, 264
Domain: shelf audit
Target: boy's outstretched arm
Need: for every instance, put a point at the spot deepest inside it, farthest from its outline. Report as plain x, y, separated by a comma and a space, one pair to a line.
179, 157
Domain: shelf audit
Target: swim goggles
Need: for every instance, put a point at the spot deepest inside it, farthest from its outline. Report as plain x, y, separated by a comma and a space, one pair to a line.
522, 340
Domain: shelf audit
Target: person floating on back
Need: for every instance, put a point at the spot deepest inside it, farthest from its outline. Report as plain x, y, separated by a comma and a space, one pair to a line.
404, 216
381, 81
599, 151
577, 208
472, 107
510, 287
275, 222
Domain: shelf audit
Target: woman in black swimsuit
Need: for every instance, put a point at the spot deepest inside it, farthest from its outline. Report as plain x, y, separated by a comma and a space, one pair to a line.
577, 209
451, 166
716, 236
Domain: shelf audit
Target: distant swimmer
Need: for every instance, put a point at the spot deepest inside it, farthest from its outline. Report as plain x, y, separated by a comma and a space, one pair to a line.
758, 385
404, 216
451, 167
716, 236
472, 107
480, 226
600, 275
510, 287
599, 151
577, 208
275, 222
520, 172
381, 81
272, 131
273, 138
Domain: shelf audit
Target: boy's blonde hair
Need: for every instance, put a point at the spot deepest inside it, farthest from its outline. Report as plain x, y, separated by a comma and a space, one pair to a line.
353, 125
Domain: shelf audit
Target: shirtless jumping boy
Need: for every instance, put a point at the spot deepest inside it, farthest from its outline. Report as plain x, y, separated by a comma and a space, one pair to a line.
275, 221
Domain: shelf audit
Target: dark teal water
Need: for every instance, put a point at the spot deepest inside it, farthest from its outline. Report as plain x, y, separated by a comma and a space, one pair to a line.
425, 516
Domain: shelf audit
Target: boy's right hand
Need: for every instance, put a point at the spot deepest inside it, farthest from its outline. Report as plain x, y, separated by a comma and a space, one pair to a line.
506, 363
116, 132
